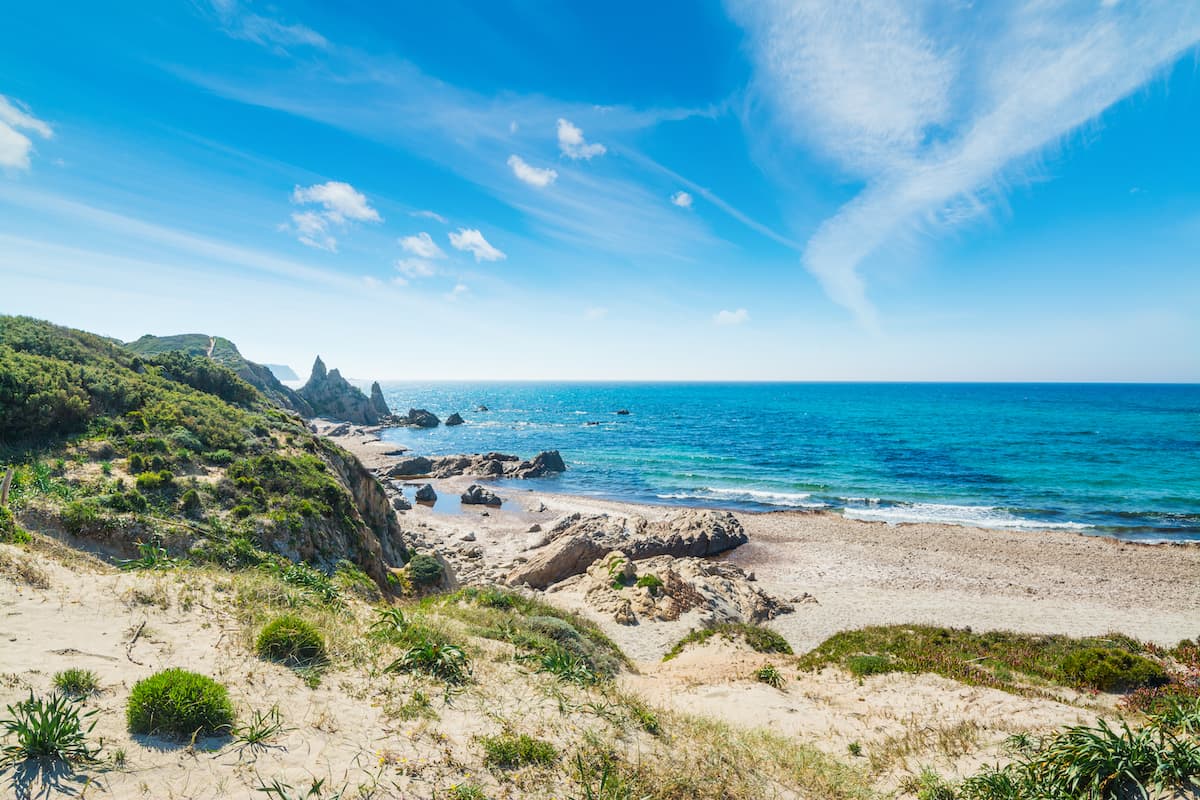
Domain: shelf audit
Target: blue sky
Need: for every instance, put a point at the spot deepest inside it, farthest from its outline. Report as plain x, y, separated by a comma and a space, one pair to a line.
676, 190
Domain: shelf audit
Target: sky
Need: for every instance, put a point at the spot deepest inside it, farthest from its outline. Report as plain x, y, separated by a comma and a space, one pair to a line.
681, 190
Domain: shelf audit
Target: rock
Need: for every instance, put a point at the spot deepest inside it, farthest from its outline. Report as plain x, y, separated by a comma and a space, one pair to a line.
377, 402
408, 467
330, 395
576, 542
400, 504
624, 412
544, 463
479, 496
534, 528
473, 552
469, 536
426, 494
454, 419
717, 589
482, 408
420, 418
340, 430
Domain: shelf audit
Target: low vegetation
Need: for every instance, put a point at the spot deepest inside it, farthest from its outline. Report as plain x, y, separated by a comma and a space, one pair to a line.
179, 704
509, 751
758, 638
46, 728
290, 640
77, 682
1014, 662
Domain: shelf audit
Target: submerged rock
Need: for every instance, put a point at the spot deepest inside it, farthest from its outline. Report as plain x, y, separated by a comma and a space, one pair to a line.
477, 495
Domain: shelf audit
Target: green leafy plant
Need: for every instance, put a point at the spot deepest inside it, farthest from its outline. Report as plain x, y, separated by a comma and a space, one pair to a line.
854, 749
150, 556
285, 791
759, 639
179, 704
290, 639
509, 751
76, 682
564, 665
446, 662
260, 730
465, 791
49, 728
861, 666
652, 582
769, 675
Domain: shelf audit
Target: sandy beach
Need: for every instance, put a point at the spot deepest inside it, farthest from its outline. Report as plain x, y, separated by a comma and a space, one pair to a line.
869, 573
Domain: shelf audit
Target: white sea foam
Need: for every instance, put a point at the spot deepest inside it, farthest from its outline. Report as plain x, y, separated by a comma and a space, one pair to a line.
976, 516
714, 493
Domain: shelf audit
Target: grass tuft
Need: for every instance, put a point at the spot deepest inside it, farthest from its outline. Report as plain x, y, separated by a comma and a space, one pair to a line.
179, 704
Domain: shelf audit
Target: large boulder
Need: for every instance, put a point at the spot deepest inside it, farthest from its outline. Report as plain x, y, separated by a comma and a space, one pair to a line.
420, 418
426, 494
476, 495
410, 467
576, 541
497, 465
454, 419
330, 395
545, 463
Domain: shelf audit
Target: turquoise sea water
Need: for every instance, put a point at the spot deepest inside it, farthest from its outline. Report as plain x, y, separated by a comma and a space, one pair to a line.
1118, 459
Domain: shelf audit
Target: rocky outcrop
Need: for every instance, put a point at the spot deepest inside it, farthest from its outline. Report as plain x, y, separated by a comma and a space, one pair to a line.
661, 589
378, 403
330, 395
426, 494
417, 418
476, 495
454, 419
484, 465
575, 542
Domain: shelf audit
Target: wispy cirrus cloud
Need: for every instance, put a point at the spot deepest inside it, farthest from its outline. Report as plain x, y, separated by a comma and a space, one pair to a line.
726, 317
15, 146
340, 203
470, 240
936, 129
535, 176
267, 31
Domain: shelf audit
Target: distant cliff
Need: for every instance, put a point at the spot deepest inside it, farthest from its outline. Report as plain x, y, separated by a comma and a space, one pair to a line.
330, 395
225, 353
283, 372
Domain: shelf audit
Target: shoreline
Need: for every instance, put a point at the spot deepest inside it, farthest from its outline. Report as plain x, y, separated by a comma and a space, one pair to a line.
863, 573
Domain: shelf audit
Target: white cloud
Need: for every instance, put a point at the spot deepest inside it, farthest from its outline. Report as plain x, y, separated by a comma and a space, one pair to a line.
372, 282
470, 240
725, 317
433, 215
682, 199
340, 203
340, 200
572, 143
422, 246
937, 130
458, 291
416, 267
596, 313
534, 176
15, 146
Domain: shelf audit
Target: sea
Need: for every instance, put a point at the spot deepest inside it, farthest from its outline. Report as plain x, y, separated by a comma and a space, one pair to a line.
1119, 460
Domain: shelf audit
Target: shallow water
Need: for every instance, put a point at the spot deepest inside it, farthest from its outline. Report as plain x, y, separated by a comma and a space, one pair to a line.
1121, 459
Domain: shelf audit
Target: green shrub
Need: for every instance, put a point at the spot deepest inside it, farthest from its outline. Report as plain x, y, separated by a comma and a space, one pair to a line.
441, 660
154, 481
291, 640
190, 503
508, 751
46, 728
652, 582
769, 675
861, 666
77, 682
86, 517
221, 458
9, 532
425, 570
179, 704
125, 501
1110, 670
136, 464
759, 639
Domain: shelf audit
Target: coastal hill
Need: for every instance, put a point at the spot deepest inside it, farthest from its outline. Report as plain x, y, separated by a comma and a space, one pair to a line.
225, 353
283, 372
159, 447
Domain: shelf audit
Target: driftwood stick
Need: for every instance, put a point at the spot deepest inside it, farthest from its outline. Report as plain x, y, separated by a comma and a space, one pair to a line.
8, 476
